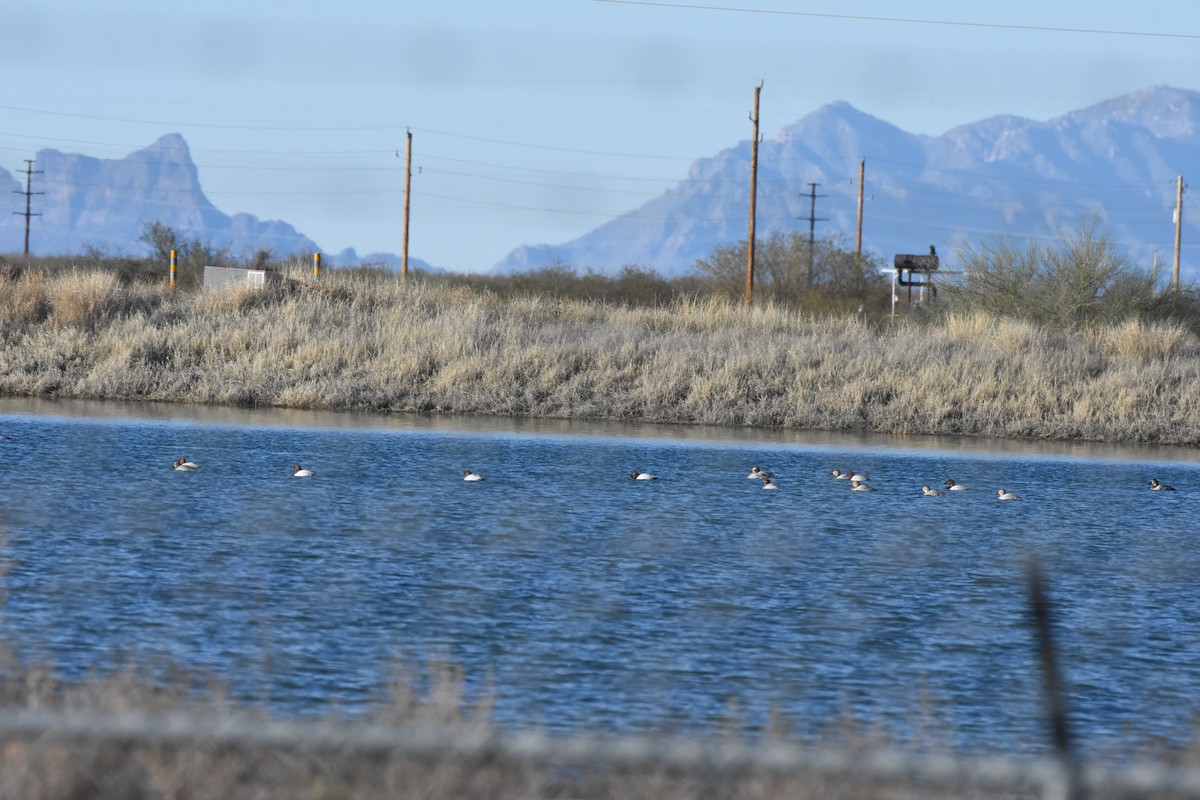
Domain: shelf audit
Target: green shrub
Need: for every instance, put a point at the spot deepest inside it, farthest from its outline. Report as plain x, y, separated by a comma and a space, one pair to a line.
1081, 280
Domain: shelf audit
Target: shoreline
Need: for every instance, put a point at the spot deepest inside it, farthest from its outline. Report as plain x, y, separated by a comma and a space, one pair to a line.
381, 347
698, 435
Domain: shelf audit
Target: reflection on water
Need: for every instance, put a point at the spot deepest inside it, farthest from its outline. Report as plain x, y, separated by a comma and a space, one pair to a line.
708, 435
591, 601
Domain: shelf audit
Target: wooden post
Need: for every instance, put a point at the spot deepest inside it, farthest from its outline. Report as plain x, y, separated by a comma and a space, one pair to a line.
1178, 232
753, 181
171, 282
316, 265
1052, 685
407, 187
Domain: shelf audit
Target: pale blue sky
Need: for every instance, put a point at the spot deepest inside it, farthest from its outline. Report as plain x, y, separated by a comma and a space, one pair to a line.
533, 121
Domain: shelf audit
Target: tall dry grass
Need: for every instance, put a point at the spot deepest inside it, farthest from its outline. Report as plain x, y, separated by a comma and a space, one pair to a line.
175, 735
371, 343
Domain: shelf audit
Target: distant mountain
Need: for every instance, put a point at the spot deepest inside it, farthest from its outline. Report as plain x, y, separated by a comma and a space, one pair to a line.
106, 203
1001, 176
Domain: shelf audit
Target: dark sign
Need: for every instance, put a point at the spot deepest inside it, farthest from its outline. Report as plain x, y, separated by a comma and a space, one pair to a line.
916, 263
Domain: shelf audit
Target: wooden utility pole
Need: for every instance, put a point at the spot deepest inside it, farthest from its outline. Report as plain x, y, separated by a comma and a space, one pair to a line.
862, 171
1178, 232
29, 173
753, 189
407, 187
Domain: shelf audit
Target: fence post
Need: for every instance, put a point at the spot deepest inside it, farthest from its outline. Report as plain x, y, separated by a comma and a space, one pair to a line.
172, 276
1070, 787
316, 265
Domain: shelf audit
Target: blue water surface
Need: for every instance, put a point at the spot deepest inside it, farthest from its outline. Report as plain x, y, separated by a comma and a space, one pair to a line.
590, 602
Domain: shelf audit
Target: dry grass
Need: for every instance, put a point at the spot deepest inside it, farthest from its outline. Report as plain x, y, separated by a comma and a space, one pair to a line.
349, 342
187, 740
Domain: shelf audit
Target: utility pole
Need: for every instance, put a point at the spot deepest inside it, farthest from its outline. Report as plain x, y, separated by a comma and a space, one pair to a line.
29, 173
407, 187
862, 171
1178, 231
753, 189
812, 224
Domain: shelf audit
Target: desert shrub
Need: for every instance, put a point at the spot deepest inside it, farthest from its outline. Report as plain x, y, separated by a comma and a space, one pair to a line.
81, 299
25, 300
191, 255
1081, 280
826, 277
632, 285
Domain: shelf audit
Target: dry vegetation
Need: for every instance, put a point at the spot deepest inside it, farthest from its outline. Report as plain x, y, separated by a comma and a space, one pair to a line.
363, 341
179, 736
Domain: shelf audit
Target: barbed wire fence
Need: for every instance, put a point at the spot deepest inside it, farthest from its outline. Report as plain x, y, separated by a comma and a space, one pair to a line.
713, 768
1047, 778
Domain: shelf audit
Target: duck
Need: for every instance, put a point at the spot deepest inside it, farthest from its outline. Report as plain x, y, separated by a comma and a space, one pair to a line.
468, 475
756, 474
300, 472
859, 486
928, 492
642, 476
183, 465
1006, 495
841, 476
1155, 486
857, 476
769, 484
955, 487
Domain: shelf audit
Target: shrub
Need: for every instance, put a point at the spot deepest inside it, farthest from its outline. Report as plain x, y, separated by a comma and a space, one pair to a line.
81, 299
826, 277
1079, 281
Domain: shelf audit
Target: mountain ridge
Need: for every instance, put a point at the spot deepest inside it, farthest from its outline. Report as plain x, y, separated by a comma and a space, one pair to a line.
1005, 175
1001, 176
105, 203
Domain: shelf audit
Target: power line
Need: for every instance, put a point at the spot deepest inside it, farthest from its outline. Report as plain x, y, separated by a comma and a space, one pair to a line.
906, 20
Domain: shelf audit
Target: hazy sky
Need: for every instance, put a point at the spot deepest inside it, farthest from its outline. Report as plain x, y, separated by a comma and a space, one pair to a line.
533, 121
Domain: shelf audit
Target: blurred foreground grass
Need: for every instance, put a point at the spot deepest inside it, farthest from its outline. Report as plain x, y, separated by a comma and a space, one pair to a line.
133, 734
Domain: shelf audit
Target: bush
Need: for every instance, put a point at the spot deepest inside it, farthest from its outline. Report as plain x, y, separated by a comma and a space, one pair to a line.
632, 286
1082, 280
824, 278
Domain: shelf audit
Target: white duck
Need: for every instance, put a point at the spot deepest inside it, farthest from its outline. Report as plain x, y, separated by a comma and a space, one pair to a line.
299, 472
642, 476
468, 475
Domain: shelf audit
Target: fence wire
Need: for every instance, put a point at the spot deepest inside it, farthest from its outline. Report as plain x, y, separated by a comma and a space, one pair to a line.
1034, 777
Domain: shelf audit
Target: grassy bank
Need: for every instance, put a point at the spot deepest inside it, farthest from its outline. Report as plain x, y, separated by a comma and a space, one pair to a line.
366, 342
168, 733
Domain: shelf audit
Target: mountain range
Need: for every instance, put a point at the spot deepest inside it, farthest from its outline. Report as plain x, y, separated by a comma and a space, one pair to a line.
1121, 159
87, 202
1004, 176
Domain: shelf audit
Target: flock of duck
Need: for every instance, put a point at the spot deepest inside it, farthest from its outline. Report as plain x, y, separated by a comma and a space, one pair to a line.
858, 481
861, 483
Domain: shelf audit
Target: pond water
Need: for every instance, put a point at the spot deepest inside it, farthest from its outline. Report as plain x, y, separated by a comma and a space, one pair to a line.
591, 602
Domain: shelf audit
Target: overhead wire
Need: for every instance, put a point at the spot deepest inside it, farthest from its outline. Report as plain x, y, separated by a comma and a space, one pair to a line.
907, 20
959, 197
